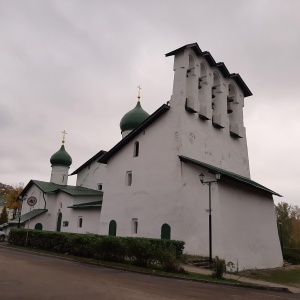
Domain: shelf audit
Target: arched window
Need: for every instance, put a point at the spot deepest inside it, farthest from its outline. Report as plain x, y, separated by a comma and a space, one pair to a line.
165, 232
38, 226
136, 149
135, 224
128, 178
80, 220
112, 230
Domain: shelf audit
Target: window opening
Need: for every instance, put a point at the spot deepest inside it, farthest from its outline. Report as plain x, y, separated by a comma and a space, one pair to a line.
112, 230
191, 65
100, 186
230, 98
166, 231
58, 223
134, 228
129, 178
38, 226
136, 149
80, 222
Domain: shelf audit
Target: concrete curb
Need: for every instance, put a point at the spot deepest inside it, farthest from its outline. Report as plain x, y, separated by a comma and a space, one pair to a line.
258, 287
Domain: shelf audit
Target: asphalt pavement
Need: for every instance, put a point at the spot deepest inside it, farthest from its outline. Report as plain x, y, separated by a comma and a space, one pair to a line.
26, 275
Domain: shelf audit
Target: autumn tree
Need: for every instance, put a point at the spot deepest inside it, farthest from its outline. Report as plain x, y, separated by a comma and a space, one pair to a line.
3, 216
12, 198
288, 218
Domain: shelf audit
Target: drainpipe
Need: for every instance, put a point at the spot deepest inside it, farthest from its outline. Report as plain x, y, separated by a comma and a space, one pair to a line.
44, 200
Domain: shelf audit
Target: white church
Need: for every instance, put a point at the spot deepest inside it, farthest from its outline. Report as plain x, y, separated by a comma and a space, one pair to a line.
180, 173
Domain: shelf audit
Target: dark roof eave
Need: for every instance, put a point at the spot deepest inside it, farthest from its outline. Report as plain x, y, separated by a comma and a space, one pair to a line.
228, 174
152, 118
221, 66
86, 206
194, 46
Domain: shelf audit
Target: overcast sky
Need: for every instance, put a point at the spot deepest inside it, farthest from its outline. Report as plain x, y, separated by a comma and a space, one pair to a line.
75, 65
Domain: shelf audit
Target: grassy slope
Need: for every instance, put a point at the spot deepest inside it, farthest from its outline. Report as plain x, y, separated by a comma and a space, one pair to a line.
282, 276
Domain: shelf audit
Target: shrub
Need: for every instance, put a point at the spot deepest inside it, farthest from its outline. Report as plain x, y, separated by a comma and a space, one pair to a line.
141, 251
219, 267
291, 255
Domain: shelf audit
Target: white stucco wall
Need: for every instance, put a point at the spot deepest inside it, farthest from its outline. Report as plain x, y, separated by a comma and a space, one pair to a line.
198, 138
92, 175
59, 175
249, 231
155, 182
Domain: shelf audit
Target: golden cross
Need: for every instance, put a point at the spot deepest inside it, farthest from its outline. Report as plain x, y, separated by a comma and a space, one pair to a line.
139, 92
64, 136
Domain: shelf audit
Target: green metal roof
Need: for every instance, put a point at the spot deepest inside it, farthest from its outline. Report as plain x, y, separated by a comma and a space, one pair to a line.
49, 187
133, 118
228, 174
95, 204
61, 158
30, 215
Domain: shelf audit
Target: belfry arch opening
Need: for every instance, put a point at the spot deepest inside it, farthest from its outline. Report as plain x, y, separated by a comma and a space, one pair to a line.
231, 98
214, 89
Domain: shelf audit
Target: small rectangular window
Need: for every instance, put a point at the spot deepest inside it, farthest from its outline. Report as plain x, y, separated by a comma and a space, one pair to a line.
80, 222
134, 226
100, 186
136, 149
129, 178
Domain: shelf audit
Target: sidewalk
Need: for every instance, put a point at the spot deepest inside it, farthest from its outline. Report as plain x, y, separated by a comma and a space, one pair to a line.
203, 271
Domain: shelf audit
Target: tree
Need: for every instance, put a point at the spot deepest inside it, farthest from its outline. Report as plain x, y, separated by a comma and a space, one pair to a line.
3, 216
283, 213
288, 218
12, 198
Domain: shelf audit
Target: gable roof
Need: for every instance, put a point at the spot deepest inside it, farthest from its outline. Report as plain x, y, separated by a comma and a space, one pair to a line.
49, 187
152, 118
221, 66
95, 157
228, 174
30, 215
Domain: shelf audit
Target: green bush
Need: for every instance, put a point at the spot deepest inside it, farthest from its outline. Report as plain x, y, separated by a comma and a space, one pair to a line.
141, 251
291, 255
218, 267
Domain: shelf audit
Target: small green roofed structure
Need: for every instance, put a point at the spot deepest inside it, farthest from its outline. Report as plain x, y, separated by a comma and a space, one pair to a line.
61, 158
134, 117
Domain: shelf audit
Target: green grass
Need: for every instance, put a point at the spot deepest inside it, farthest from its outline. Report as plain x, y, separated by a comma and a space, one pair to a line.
282, 276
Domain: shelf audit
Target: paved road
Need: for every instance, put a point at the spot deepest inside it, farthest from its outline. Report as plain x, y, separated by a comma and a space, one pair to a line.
25, 276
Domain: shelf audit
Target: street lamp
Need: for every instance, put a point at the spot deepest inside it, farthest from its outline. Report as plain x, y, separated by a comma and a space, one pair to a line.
280, 230
209, 183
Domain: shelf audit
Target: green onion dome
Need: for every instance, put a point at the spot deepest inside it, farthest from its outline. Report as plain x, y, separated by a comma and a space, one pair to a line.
61, 158
133, 118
